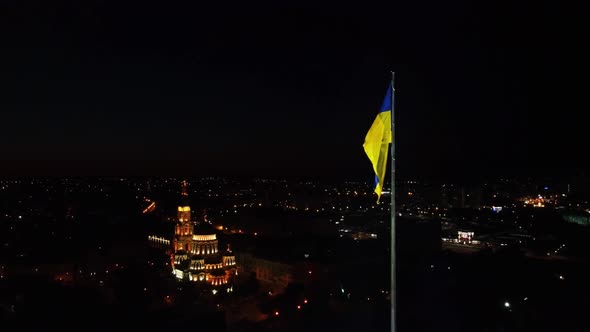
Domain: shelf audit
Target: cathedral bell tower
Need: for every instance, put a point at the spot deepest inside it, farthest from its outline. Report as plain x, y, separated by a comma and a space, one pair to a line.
184, 226
184, 210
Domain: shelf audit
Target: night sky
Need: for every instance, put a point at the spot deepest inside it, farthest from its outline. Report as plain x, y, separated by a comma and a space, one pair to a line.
488, 88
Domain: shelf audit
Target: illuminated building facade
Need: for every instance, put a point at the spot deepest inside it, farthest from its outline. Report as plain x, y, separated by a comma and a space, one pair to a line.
195, 250
463, 238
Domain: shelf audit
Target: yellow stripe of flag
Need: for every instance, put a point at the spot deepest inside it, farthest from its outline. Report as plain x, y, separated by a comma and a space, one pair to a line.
377, 142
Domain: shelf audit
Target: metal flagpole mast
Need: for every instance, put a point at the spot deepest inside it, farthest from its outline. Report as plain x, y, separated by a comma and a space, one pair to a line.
393, 292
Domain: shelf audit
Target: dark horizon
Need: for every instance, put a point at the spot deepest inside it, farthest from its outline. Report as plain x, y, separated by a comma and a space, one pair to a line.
101, 88
578, 181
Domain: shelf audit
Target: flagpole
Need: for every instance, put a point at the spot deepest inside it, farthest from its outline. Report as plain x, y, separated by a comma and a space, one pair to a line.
393, 293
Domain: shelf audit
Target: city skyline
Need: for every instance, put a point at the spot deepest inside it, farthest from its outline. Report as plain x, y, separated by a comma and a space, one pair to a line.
267, 255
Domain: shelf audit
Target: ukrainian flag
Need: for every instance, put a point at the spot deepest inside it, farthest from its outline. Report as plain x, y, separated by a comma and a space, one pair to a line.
377, 141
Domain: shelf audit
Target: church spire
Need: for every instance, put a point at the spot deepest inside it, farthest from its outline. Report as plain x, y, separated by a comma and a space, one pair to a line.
184, 210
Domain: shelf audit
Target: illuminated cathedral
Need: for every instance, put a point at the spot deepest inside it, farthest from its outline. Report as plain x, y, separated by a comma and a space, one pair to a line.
195, 254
